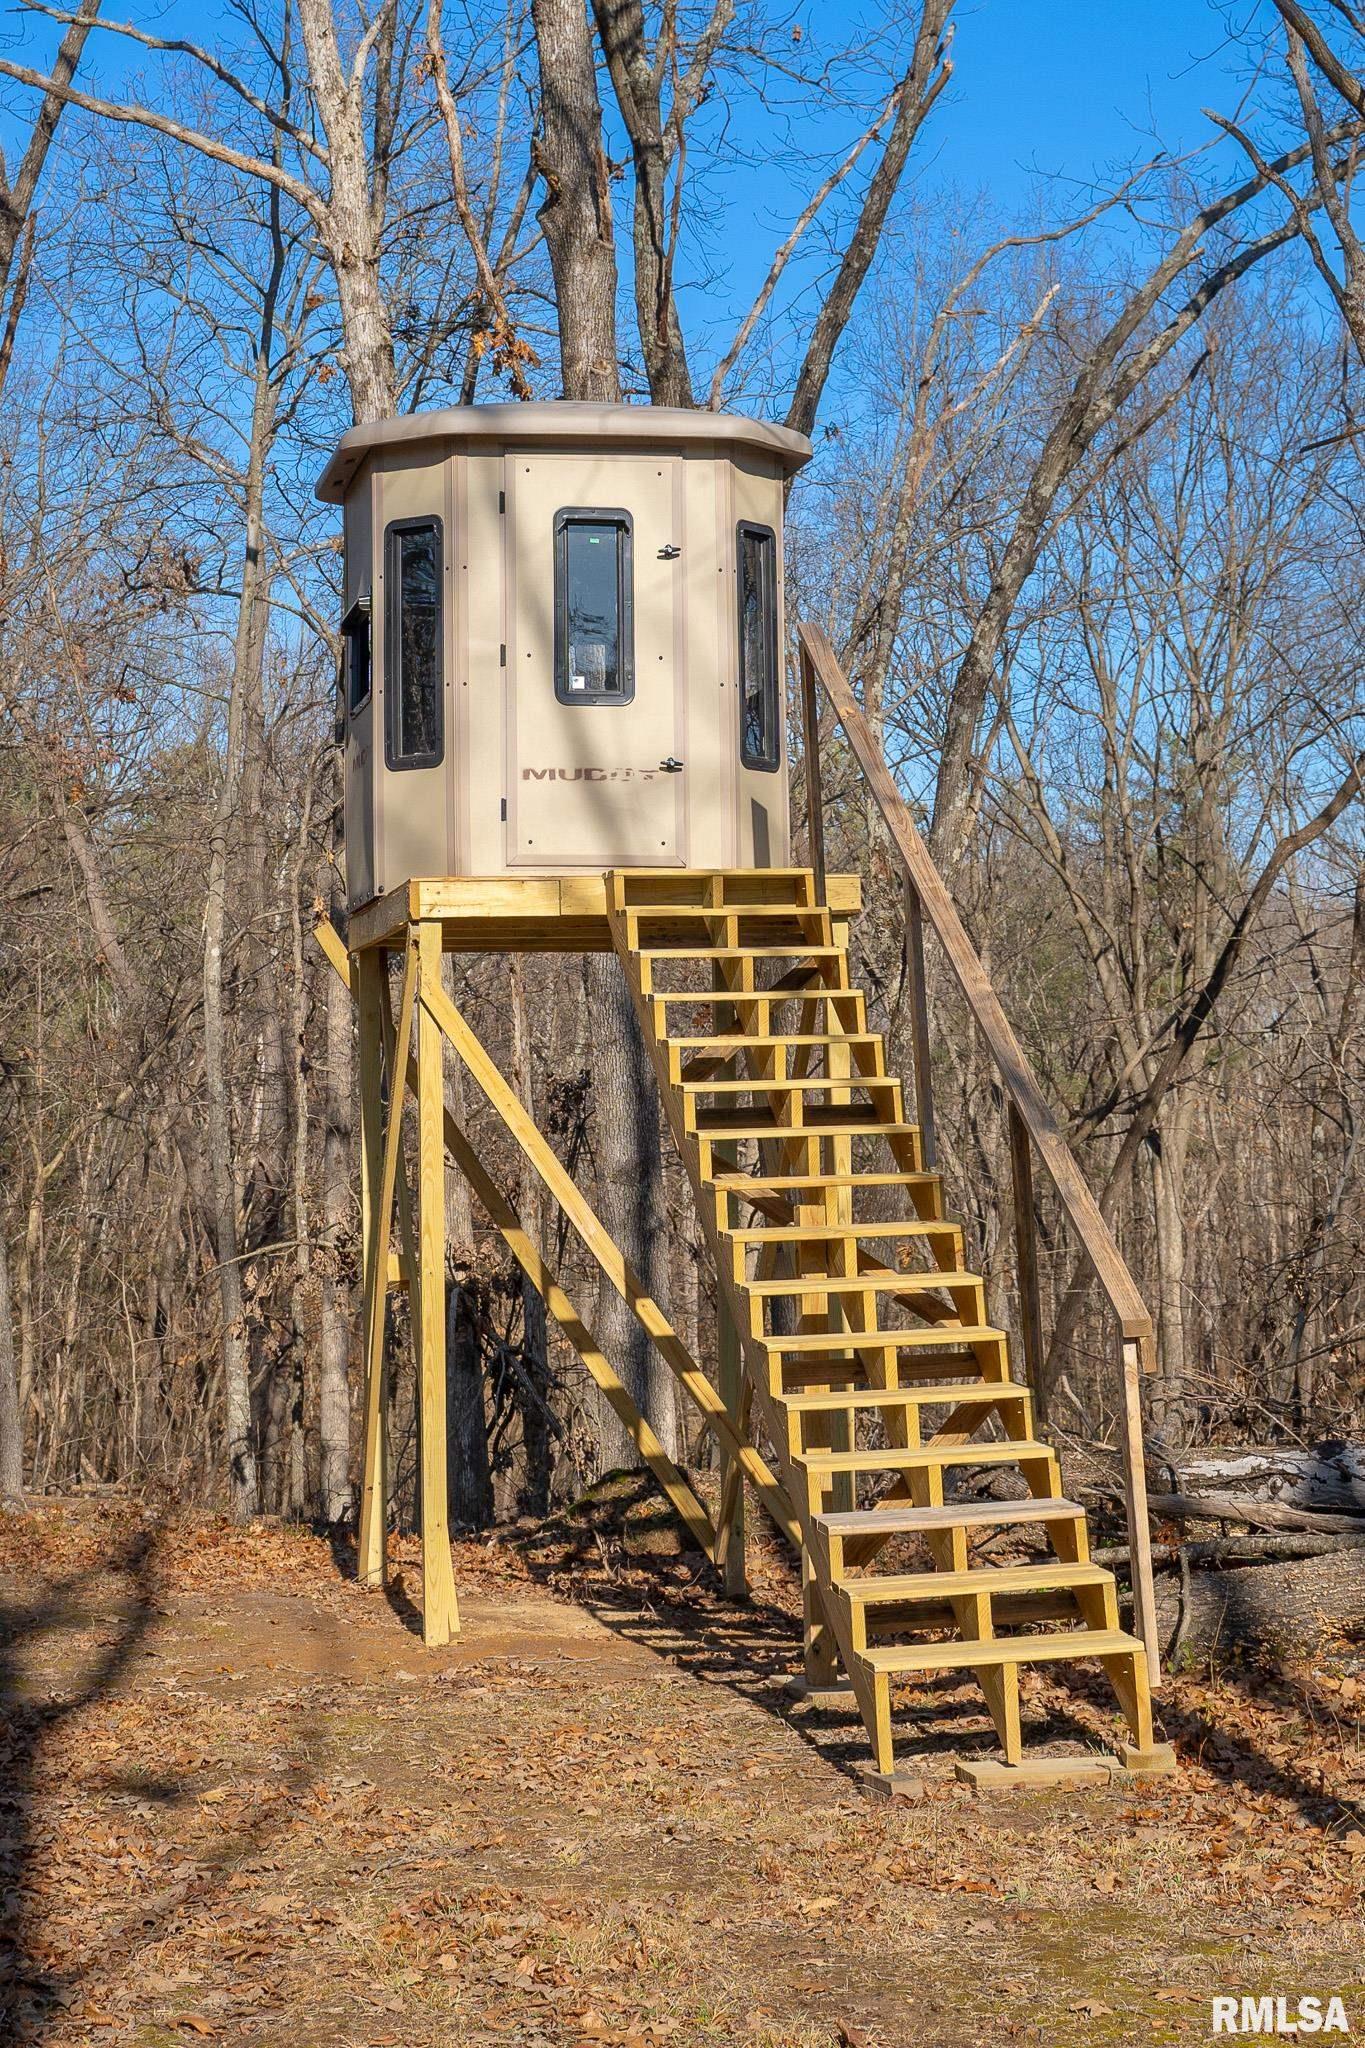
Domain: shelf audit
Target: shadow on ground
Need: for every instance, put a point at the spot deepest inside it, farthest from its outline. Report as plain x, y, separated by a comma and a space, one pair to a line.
621, 1552
41, 1976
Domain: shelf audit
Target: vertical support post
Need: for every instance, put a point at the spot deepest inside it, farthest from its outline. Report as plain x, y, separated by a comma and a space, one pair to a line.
815, 804
919, 1025
440, 1608
730, 1373
1026, 1252
368, 971
1135, 1501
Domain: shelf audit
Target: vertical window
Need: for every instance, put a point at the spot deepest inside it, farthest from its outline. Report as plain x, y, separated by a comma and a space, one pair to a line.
355, 635
594, 608
757, 552
412, 644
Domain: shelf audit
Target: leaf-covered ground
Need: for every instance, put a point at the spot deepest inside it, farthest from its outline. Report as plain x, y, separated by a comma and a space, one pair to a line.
239, 1802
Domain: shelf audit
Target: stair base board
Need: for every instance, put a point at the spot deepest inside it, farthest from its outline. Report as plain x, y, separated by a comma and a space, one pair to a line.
1157, 1762
901, 1787
840, 1695
990, 1774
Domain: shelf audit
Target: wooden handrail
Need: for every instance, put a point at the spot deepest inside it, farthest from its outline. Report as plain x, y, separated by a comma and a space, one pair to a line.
1020, 1082
1032, 1124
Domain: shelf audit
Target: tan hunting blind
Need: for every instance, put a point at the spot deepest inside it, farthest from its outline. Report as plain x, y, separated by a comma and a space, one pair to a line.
563, 641
564, 724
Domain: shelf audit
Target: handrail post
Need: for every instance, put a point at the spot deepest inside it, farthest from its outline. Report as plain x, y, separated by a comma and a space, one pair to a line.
815, 804
1026, 1254
919, 1025
1135, 1501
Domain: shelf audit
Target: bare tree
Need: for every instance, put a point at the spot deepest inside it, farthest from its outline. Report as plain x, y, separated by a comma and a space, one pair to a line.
1113, 370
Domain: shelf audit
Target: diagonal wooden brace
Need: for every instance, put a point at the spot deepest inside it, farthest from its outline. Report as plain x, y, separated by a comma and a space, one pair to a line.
544, 1277
560, 1184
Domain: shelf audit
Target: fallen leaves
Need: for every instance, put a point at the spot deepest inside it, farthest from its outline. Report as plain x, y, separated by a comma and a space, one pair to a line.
614, 1856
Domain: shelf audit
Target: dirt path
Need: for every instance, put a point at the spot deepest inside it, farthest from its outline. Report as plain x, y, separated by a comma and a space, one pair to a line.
242, 1804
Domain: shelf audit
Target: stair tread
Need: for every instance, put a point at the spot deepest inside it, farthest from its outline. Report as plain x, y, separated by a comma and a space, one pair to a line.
817, 1341
799, 949
757, 995
777, 1183
944, 1393
967, 1514
955, 1656
921, 1457
702, 911
880, 1280
826, 1119
894, 1587
732, 1041
715, 1126
818, 1233
798, 1084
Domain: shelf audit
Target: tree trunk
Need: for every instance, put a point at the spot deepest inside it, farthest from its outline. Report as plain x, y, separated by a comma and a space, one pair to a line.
354, 212
533, 1394
576, 217
357, 194
248, 656
11, 1421
1171, 1386
637, 80
575, 213
631, 1198
334, 1362
468, 1482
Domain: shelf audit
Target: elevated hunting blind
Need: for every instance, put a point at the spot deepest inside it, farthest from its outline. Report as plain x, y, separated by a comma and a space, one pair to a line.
563, 634
564, 723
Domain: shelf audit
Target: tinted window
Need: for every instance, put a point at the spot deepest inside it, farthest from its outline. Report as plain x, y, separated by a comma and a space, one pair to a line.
594, 654
757, 548
412, 641
355, 629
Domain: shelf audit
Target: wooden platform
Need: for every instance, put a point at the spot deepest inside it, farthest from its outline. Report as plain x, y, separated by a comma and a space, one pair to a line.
530, 913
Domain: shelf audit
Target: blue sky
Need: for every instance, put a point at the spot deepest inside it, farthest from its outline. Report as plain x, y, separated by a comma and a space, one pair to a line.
1076, 86
1048, 98
1057, 86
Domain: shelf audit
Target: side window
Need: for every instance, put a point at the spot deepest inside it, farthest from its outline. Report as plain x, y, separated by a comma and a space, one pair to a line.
413, 735
355, 635
756, 549
594, 607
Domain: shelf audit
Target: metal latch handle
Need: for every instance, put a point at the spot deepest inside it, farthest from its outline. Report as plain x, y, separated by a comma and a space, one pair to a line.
671, 766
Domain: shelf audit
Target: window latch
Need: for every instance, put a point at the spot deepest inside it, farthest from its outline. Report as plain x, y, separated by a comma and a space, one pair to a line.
669, 552
672, 766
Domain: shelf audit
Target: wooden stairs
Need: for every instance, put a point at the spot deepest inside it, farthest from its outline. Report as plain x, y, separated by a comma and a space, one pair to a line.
868, 1351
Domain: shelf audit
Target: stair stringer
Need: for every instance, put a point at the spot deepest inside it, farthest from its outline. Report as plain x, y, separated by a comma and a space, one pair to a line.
998, 1678
873, 1696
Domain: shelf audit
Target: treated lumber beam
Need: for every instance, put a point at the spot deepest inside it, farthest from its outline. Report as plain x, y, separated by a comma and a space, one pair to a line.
440, 1603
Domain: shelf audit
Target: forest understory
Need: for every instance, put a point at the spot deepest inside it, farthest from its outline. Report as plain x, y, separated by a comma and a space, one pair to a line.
241, 1803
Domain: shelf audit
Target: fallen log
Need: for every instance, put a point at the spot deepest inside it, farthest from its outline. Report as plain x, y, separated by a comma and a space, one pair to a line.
1327, 1475
1291, 1609
1234, 1550
1253, 1514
